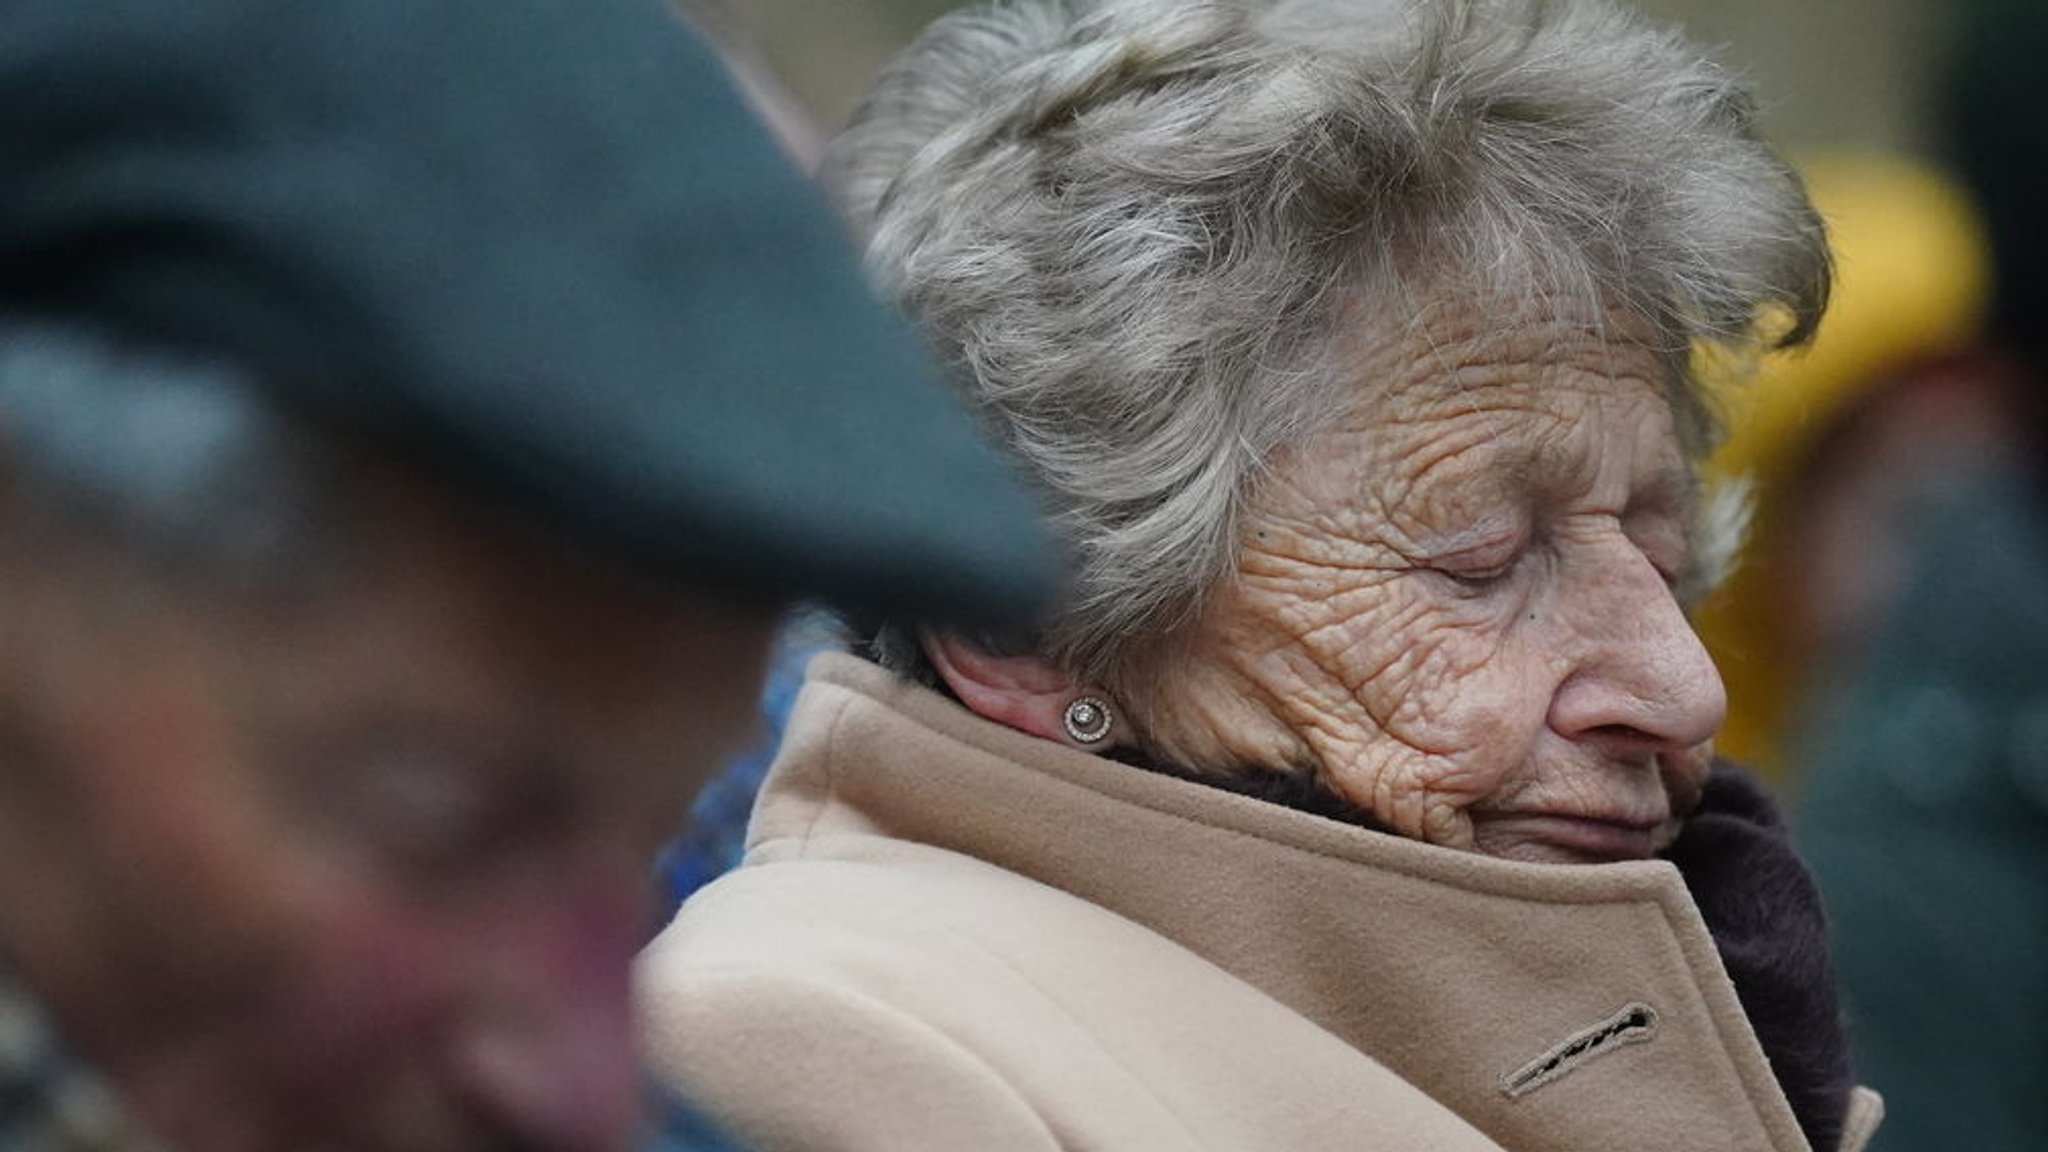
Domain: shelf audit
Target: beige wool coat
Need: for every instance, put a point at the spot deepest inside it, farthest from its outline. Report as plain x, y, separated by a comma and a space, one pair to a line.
951, 937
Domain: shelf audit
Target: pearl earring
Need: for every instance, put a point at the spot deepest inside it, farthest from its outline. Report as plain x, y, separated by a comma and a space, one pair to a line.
1088, 720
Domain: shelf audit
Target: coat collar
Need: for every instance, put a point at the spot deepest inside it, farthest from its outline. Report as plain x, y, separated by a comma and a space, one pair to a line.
1531, 999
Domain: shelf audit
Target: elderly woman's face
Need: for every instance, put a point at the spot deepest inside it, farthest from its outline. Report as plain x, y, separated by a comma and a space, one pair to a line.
1456, 606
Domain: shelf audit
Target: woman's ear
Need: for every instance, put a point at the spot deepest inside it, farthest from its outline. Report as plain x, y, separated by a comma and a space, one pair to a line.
1021, 692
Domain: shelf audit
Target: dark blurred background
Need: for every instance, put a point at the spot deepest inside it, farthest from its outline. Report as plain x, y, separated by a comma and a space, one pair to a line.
1832, 72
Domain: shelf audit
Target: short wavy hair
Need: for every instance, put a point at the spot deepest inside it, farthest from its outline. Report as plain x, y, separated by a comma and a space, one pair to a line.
1132, 226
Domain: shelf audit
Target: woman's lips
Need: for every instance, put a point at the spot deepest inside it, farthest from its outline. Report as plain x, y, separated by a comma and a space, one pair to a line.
1552, 839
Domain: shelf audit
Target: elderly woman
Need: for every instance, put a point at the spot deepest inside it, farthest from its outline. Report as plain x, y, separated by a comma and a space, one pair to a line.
1359, 795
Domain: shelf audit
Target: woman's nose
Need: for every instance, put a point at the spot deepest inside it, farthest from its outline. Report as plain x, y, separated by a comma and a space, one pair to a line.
1638, 673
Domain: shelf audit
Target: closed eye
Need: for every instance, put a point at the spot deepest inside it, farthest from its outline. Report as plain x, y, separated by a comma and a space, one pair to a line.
1481, 552
1478, 580
1482, 569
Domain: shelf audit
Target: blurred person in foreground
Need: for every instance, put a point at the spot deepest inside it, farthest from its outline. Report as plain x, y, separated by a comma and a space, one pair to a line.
412, 413
1360, 793
1924, 770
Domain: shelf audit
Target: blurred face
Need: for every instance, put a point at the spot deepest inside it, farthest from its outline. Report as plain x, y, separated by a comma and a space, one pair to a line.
1456, 607
365, 870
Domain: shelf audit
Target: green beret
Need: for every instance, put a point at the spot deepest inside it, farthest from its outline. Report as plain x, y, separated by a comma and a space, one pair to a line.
539, 245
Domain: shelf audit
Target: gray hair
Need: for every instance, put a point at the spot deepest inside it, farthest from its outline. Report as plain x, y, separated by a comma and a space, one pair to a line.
181, 462
1130, 227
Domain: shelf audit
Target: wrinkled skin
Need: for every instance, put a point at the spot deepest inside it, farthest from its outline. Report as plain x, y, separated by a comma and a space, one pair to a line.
1456, 607
364, 866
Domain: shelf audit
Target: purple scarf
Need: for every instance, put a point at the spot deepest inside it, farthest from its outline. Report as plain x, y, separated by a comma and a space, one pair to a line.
1765, 914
